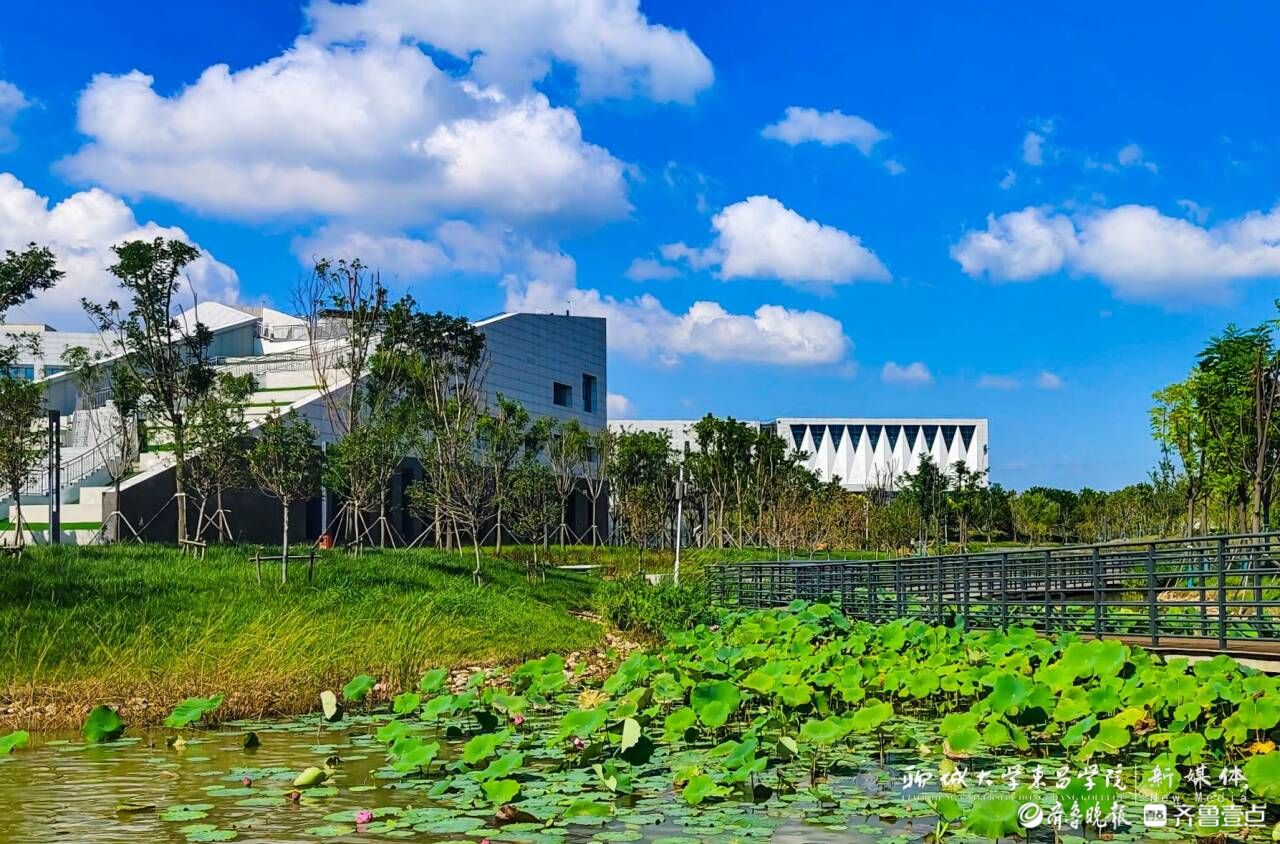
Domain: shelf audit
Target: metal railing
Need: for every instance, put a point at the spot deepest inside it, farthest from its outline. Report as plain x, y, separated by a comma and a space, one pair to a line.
1212, 590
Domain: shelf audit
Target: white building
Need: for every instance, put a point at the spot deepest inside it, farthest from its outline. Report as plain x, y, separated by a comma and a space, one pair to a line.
554, 365
863, 453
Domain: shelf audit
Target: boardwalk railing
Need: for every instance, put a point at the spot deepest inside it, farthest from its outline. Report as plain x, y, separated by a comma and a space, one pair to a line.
1207, 590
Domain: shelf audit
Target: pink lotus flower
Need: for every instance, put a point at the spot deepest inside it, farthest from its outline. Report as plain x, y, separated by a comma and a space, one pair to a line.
295, 796
363, 817
517, 719
578, 743
246, 782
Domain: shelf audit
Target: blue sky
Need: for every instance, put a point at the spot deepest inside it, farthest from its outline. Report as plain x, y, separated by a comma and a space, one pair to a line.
1036, 216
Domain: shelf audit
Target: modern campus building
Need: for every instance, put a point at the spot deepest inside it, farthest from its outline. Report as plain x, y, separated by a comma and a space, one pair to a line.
554, 364
863, 453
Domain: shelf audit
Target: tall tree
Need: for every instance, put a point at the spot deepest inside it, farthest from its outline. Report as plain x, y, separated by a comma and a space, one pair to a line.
165, 348
566, 452
219, 445
286, 463
21, 411
23, 275
503, 433
114, 426
595, 470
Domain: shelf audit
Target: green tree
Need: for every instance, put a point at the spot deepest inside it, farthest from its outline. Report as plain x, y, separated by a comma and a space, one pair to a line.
533, 504
21, 412
566, 451
165, 349
286, 463
503, 433
964, 496
220, 443
927, 488
643, 484
23, 275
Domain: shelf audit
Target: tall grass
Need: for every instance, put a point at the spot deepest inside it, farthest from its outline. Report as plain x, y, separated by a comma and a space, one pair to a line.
122, 623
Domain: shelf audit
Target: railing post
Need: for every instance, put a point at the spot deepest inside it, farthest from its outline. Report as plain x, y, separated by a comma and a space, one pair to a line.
1153, 625
871, 594
1048, 617
967, 586
1222, 594
897, 587
1097, 592
1004, 591
937, 584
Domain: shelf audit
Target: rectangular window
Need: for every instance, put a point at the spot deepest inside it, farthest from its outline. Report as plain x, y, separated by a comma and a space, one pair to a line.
25, 373
562, 394
588, 393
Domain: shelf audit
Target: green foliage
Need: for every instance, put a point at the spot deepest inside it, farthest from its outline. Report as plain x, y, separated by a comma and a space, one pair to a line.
358, 688
13, 741
102, 724
25, 274
192, 710
636, 606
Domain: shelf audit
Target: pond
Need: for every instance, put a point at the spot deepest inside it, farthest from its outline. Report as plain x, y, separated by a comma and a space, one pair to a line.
766, 728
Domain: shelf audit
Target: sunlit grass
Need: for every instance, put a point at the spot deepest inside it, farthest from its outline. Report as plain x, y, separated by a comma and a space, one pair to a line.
80, 626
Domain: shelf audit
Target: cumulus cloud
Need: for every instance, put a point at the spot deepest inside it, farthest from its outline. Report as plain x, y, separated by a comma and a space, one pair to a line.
760, 237
81, 230
1137, 251
829, 128
913, 374
644, 328
997, 382
619, 406
1047, 380
1194, 210
612, 46
344, 132
452, 246
12, 101
648, 269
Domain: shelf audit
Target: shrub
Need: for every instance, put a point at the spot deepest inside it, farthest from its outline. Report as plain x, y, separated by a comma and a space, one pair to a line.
636, 606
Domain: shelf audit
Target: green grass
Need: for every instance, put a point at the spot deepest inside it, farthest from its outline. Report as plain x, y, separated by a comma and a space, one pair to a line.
86, 625
5, 524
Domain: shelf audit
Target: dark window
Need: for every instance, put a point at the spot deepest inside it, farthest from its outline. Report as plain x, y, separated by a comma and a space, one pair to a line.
24, 373
588, 393
562, 394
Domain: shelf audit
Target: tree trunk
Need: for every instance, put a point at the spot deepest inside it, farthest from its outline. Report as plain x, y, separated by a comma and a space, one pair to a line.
222, 519
497, 539
475, 545
284, 541
17, 525
180, 481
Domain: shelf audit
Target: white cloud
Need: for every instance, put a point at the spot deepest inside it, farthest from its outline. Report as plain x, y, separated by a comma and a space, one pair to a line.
829, 128
643, 328
371, 133
1010, 179
648, 269
12, 101
997, 382
913, 374
1033, 148
759, 237
895, 168
1016, 246
1131, 155
1194, 210
619, 406
1047, 380
1134, 249
80, 230
613, 47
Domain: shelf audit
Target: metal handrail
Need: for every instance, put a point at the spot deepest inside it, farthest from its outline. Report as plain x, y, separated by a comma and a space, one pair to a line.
1215, 589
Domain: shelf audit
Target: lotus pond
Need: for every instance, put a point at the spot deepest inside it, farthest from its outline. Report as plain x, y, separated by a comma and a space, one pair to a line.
784, 725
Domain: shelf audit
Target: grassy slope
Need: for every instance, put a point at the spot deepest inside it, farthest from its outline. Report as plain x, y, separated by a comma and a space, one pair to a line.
81, 626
